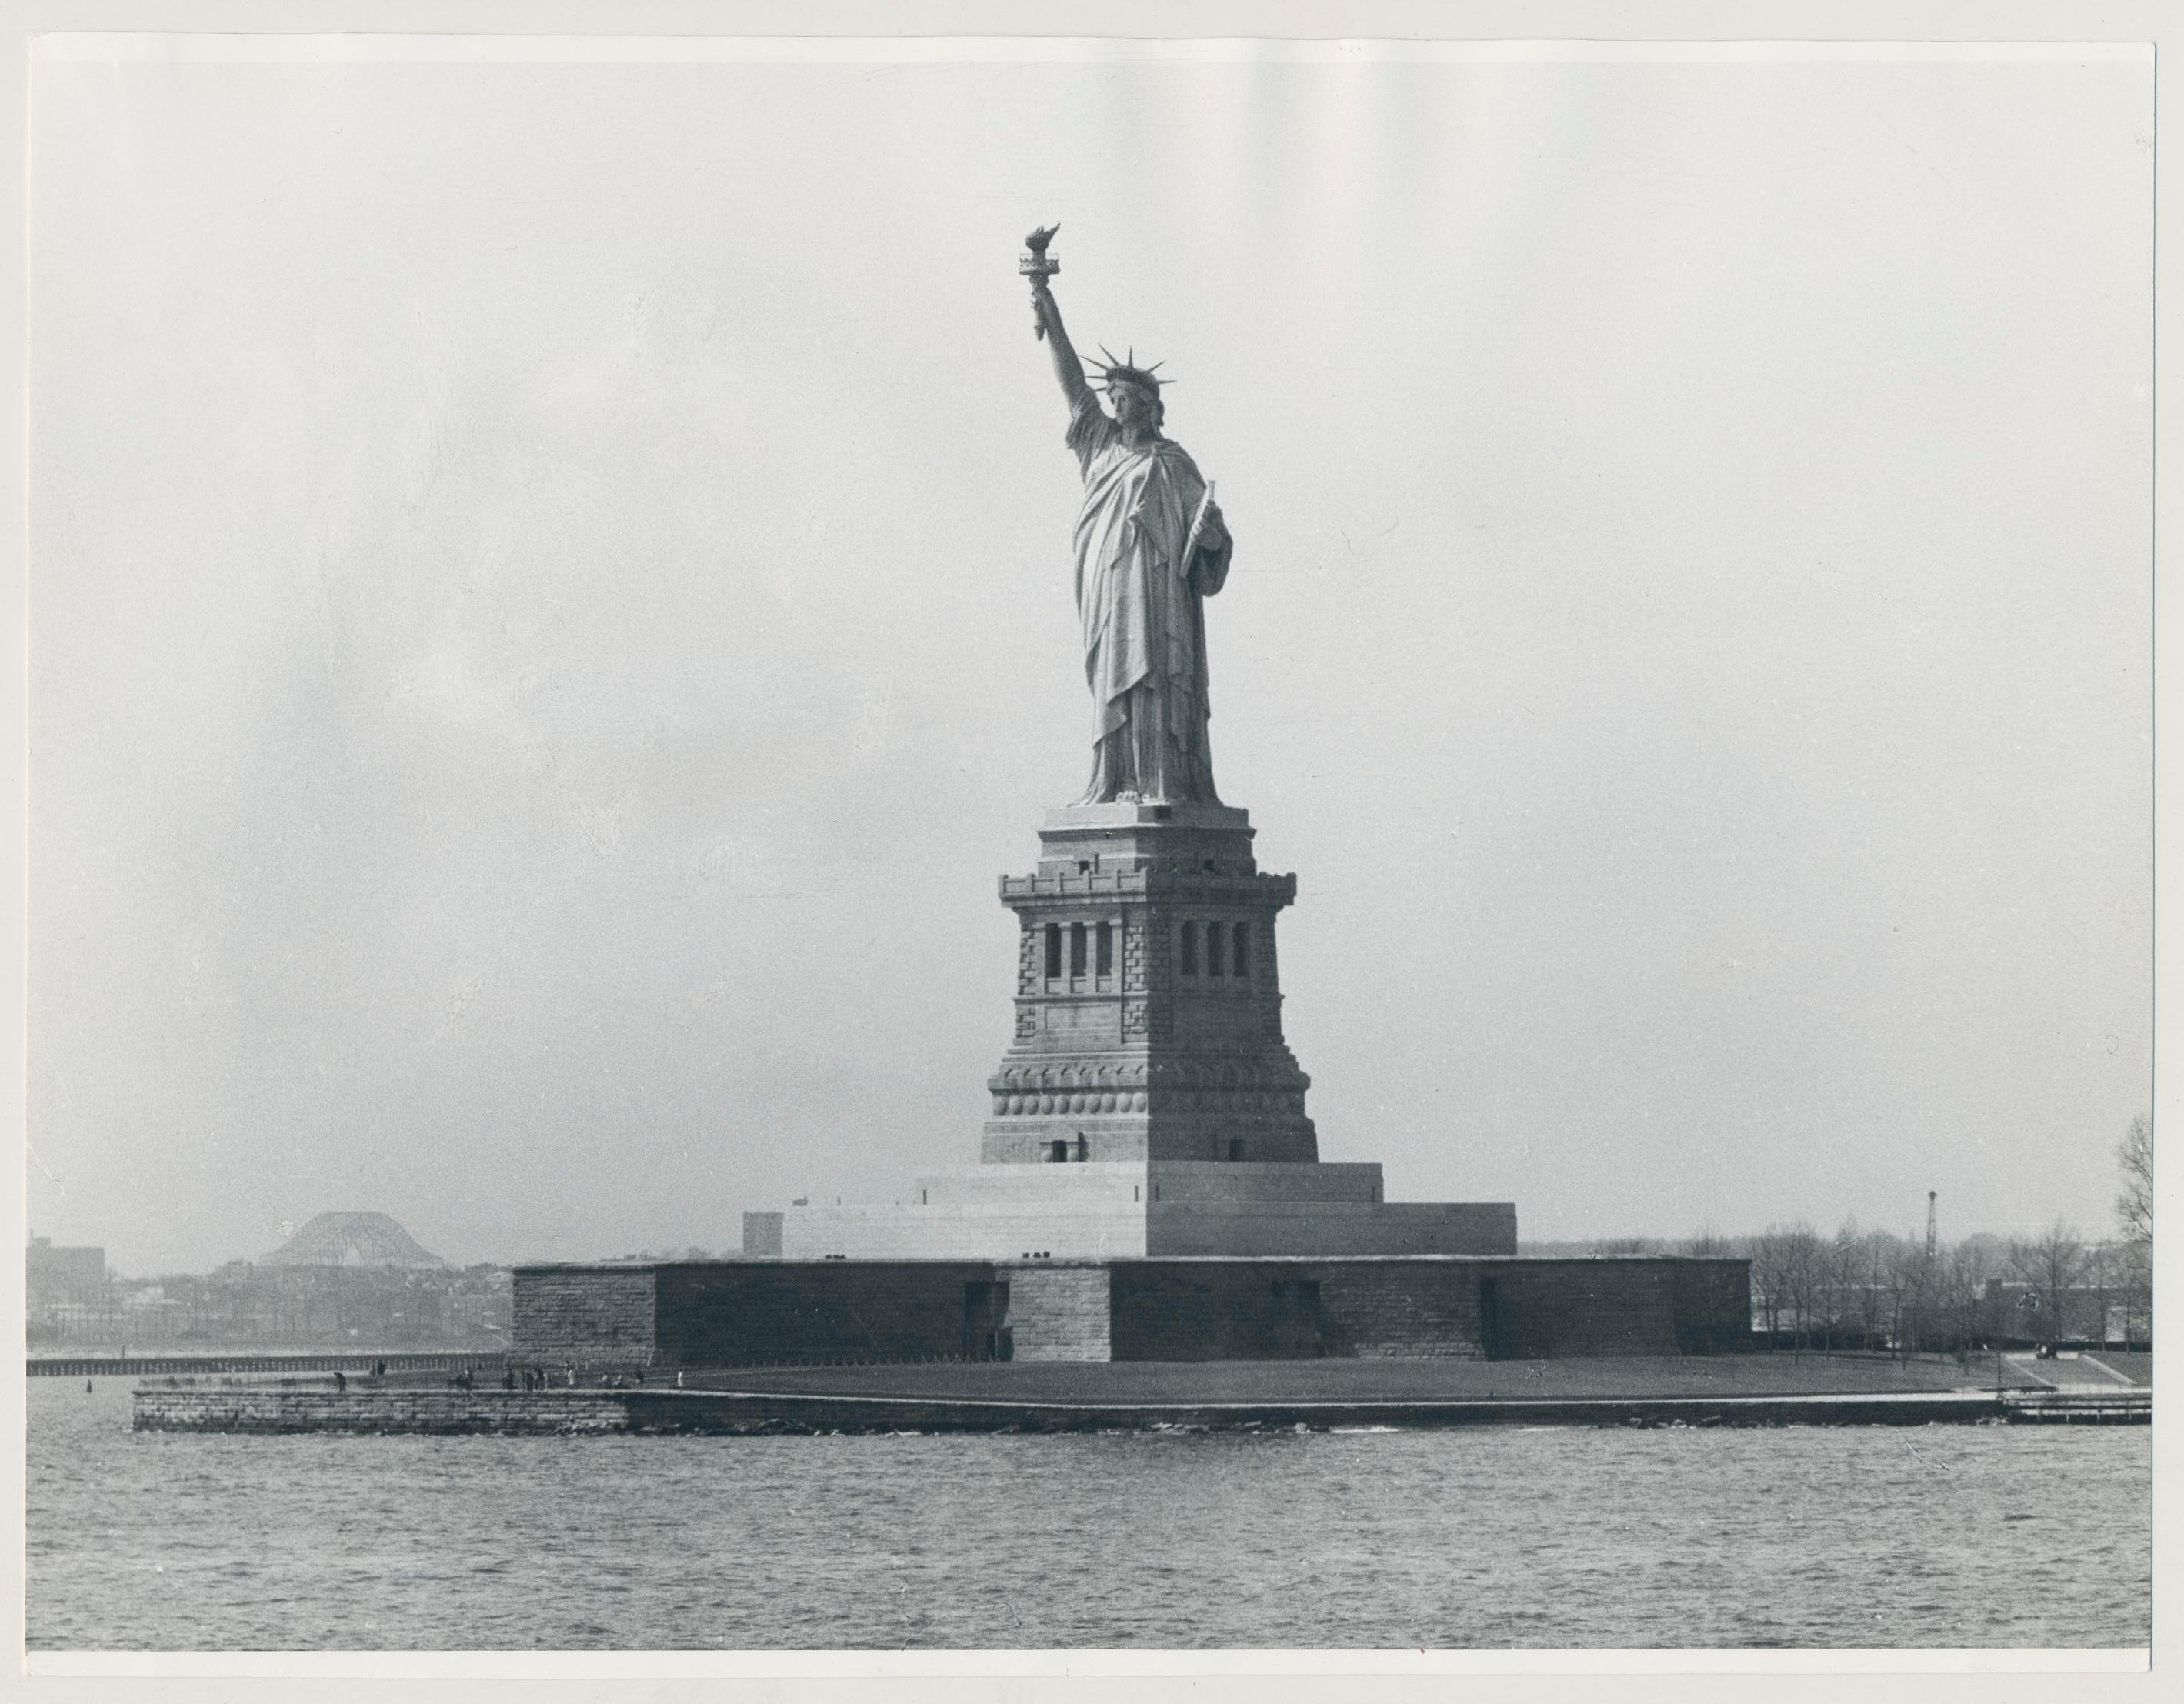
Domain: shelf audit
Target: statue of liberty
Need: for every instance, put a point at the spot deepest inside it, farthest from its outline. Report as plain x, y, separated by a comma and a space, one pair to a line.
1151, 547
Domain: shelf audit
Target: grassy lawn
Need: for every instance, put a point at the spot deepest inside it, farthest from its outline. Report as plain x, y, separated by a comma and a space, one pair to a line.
1281, 1381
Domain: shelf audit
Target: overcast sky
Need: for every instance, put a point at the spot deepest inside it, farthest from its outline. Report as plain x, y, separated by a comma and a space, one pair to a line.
551, 609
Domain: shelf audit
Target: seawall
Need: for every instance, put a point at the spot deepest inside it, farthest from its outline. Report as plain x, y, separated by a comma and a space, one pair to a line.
296, 1408
89, 1365
381, 1410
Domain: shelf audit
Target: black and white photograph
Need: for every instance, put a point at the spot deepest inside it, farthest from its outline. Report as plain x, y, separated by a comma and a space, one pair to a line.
951, 845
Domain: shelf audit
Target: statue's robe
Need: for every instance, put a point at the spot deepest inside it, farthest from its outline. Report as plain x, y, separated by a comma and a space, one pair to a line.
1141, 607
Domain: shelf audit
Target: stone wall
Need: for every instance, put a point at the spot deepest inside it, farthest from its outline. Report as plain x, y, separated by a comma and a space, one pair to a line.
1178, 1183
1589, 1307
1278, 1310
1328, 1228
592, 1315
742, 1314
1215, 1310
1714, 1307
1426, 1309
1061, 1311
1412, 1310
273, 1407
729, 1313
1079, 1226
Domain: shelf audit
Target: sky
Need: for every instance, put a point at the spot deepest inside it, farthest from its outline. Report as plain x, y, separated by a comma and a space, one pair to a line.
550, 609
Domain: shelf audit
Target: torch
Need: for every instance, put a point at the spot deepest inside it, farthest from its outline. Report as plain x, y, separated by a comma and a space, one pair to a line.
1036, 264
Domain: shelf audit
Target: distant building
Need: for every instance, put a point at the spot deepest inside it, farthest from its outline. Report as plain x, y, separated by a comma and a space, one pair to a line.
762, 1236
353, 1280
296, 1307
353, 1239
64, 1276
2014, 1312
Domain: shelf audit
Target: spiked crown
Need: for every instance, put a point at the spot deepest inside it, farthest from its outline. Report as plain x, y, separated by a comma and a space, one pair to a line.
1127, 371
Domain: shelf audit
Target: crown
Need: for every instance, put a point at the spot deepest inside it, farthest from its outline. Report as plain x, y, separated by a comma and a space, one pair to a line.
1127, 371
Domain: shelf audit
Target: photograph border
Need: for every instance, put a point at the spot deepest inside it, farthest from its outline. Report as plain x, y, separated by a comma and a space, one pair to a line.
934, 30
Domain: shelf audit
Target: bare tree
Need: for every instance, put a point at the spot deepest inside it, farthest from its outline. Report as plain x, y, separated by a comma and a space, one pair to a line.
1965, 1277
2133, 1277
2099, 1264
1804, 1279
1770, 1280
1910, 1283
2048, 1268
1785, 1279
1840, 1270
2134, 1212
2134, 1202
1875, 1292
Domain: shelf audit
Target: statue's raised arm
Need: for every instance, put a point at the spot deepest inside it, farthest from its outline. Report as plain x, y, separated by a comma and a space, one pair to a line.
1068, 367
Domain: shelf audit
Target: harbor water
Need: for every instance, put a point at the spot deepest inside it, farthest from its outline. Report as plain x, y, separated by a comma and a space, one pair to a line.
1477, 1539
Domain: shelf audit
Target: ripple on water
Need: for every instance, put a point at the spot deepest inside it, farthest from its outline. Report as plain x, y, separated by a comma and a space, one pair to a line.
1538, 1537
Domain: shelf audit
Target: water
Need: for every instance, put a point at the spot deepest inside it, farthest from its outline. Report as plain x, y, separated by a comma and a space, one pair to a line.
1945, 1535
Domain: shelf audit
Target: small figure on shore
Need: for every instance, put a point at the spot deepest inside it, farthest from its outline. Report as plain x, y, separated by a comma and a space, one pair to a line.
87, 1386
340, 1379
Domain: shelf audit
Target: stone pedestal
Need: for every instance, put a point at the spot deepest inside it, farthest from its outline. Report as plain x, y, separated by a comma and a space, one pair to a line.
1148, 1106
1148, 998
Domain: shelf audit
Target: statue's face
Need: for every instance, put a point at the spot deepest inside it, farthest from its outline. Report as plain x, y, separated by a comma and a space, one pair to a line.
1133, 409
